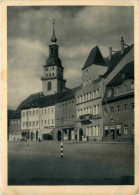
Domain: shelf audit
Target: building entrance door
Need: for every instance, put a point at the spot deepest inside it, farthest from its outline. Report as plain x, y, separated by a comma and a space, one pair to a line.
36, 135
59, 135
80, 134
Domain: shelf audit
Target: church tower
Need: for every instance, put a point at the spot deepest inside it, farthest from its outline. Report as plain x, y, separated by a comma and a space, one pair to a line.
53, 81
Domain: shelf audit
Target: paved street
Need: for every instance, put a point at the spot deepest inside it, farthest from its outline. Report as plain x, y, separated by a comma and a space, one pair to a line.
83, 164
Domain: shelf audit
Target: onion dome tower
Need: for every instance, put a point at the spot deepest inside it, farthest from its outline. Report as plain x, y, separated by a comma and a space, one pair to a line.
53, 81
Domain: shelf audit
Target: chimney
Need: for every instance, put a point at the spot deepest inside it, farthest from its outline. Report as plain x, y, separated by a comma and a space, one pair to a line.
110, 53
122, 46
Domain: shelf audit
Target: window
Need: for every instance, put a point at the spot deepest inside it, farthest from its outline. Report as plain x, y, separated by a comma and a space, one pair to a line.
105, 111
132, 85
52, 121
12, 122
86, 72
33, 112
52, 109
26, 124
33, 123
48, 110
36, 112
42, 122
29, 113
49, 74
37, 123
53, 74
23, 124
125, 108
132, 107
61, 87
42, 111
133, 129
15, 122
123, 76
112, 109
48, 121
46, 69
118, 109
53, 68
49, 86
125, 129
84, 83
117, 89
97, 93
109, 93
45, 122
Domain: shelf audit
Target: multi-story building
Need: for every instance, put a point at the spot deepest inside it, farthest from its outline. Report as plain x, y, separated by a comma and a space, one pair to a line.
89, 121
15, 126
65, 116
118, 105
38, 118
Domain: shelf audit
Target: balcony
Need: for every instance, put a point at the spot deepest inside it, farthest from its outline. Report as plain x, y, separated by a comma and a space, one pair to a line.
85, 119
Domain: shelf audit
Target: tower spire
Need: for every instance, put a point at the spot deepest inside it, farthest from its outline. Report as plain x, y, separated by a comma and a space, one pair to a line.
53, 39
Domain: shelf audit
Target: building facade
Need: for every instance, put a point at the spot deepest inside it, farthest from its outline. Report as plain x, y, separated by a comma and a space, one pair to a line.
89, 119
15, 129
65, 117
118, 106
86, 112
52, 80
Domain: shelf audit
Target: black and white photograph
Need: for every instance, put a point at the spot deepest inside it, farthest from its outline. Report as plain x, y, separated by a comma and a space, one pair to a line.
70, 95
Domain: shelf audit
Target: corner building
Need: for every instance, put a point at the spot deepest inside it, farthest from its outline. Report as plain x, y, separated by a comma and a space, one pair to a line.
89, 120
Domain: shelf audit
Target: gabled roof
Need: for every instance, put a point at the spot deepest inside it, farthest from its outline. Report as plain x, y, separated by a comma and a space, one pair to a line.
116, 58
95, 57
128, 70
51, 100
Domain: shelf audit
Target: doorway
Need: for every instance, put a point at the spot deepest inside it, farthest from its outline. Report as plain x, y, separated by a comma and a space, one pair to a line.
36, 135
80, 134
59, 135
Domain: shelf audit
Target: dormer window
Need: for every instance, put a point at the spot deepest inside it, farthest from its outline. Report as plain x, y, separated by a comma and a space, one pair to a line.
109, 93
117, 89
123, 76
46, 69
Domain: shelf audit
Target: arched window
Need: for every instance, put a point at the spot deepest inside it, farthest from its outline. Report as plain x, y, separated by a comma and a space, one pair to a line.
49, 86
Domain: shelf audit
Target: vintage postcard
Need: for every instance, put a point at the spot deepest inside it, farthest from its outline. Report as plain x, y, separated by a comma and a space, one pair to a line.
69, 111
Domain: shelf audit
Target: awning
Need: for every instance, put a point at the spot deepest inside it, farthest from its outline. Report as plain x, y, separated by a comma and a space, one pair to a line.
47, 131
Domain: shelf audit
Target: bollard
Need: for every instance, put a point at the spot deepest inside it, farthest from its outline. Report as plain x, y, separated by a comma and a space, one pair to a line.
61, 149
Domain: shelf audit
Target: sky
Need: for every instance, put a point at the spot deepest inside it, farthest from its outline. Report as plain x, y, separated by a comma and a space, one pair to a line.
78, 29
